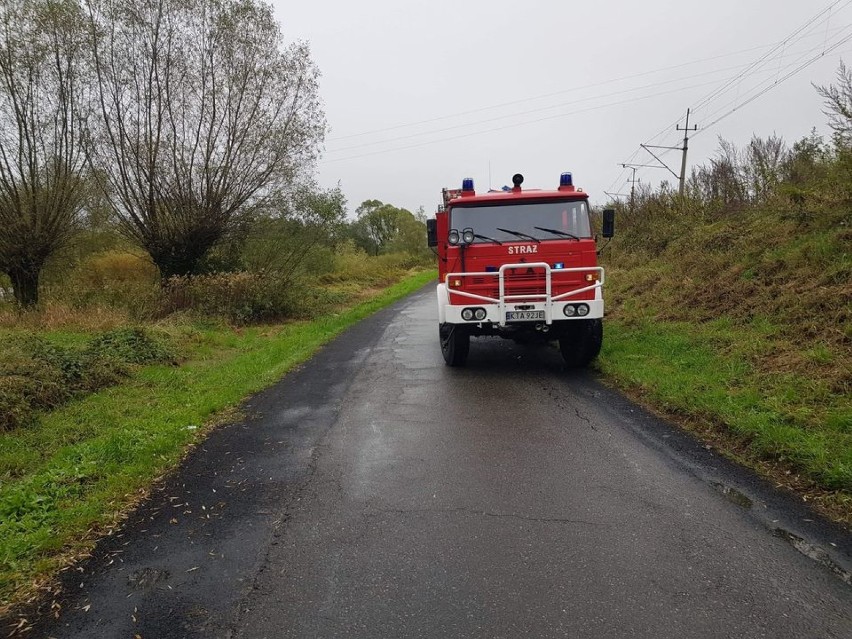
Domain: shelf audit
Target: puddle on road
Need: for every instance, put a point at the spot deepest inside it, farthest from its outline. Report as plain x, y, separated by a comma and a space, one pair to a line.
813, 552
733, 494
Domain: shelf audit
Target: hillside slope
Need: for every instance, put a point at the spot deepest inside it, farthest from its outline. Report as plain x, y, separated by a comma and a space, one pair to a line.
740, 323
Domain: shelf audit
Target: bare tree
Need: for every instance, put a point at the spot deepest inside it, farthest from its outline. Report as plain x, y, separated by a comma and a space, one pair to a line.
42, 191
721, 182
764, 162
838, 103
204, 116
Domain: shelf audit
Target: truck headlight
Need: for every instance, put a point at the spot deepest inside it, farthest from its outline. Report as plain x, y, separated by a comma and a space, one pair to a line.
467, 314
479, 314
582, 310
569, 310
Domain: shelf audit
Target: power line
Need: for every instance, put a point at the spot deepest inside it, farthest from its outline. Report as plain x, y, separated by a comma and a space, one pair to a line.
797, 65
751, 68
547, 95
531, 111
766, 56
745, 72
769, 88
517, 124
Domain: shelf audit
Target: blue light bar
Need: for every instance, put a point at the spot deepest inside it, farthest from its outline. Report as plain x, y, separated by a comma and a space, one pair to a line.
559, 265
566, 180
467, 184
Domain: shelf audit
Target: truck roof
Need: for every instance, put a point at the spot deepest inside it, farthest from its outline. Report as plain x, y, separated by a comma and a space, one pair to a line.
527, 194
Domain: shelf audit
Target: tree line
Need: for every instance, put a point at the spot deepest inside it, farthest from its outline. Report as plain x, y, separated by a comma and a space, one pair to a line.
182, 122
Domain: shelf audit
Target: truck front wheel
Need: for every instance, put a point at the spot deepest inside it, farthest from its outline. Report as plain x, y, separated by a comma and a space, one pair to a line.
581, 343
455, 343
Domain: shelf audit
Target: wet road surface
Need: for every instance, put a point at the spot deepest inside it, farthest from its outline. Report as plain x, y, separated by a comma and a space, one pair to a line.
377, 493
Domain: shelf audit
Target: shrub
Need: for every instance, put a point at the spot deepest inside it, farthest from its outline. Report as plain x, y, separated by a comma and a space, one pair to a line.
354, 265
37, 375
104, 269
240, 298
115, 279
129, 345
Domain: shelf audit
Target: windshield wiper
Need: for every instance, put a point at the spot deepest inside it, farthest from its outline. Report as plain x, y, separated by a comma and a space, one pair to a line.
558, 232
488, 239
519, 234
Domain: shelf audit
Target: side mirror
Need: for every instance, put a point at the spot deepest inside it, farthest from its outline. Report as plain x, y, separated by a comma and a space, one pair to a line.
432, 233
608, 229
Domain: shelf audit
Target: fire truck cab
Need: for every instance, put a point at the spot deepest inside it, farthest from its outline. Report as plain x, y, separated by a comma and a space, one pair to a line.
520, 264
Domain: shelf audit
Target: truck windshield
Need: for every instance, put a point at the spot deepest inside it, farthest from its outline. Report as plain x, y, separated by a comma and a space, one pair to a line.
569, 217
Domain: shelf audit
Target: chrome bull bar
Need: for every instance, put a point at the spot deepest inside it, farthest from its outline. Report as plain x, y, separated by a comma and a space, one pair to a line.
546, 297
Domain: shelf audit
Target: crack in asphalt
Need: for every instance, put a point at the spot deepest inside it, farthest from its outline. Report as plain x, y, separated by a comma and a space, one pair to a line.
563, 403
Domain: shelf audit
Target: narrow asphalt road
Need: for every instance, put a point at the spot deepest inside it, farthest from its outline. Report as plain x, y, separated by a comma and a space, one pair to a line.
377, 493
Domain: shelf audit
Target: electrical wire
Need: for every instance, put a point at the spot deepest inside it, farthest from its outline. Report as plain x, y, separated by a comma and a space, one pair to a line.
753, 68
765, 90
517, 124
808, 56
547, 95
527, 122
768, 55
531, 111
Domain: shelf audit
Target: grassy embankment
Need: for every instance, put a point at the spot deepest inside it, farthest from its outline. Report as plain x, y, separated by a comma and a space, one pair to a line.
740, 327
67, 476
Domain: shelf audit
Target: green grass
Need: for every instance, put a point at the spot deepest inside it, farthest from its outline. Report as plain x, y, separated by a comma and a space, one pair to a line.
72, 474
710, 372
737, 323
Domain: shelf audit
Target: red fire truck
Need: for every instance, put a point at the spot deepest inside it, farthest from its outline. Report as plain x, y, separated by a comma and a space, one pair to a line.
521, 264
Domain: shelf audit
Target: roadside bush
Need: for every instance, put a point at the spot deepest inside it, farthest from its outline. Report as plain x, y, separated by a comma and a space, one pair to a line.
138, 301
115, 280
130, 346
37, 375
240, 298
352, 264
110, 267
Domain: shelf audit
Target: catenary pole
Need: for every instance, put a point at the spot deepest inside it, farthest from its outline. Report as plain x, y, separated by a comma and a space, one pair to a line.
686, 129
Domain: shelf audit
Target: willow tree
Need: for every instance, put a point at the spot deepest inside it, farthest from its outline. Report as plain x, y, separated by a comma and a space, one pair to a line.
42, 157
204, 115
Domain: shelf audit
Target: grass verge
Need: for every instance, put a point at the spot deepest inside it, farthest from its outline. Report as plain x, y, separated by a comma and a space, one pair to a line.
711, 376
69, 478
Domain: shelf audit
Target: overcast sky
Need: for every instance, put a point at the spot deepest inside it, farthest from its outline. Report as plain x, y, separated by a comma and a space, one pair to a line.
419, 95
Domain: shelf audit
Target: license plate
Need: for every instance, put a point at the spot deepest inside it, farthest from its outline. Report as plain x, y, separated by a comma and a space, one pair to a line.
524, 316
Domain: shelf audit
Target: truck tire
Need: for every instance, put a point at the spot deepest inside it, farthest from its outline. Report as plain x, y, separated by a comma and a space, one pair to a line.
582, 342
455, 343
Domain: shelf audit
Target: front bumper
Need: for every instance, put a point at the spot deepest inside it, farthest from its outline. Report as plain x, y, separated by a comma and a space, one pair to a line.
495, 314
544, 307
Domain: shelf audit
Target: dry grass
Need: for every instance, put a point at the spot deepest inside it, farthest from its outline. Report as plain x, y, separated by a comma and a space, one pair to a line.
59, 316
